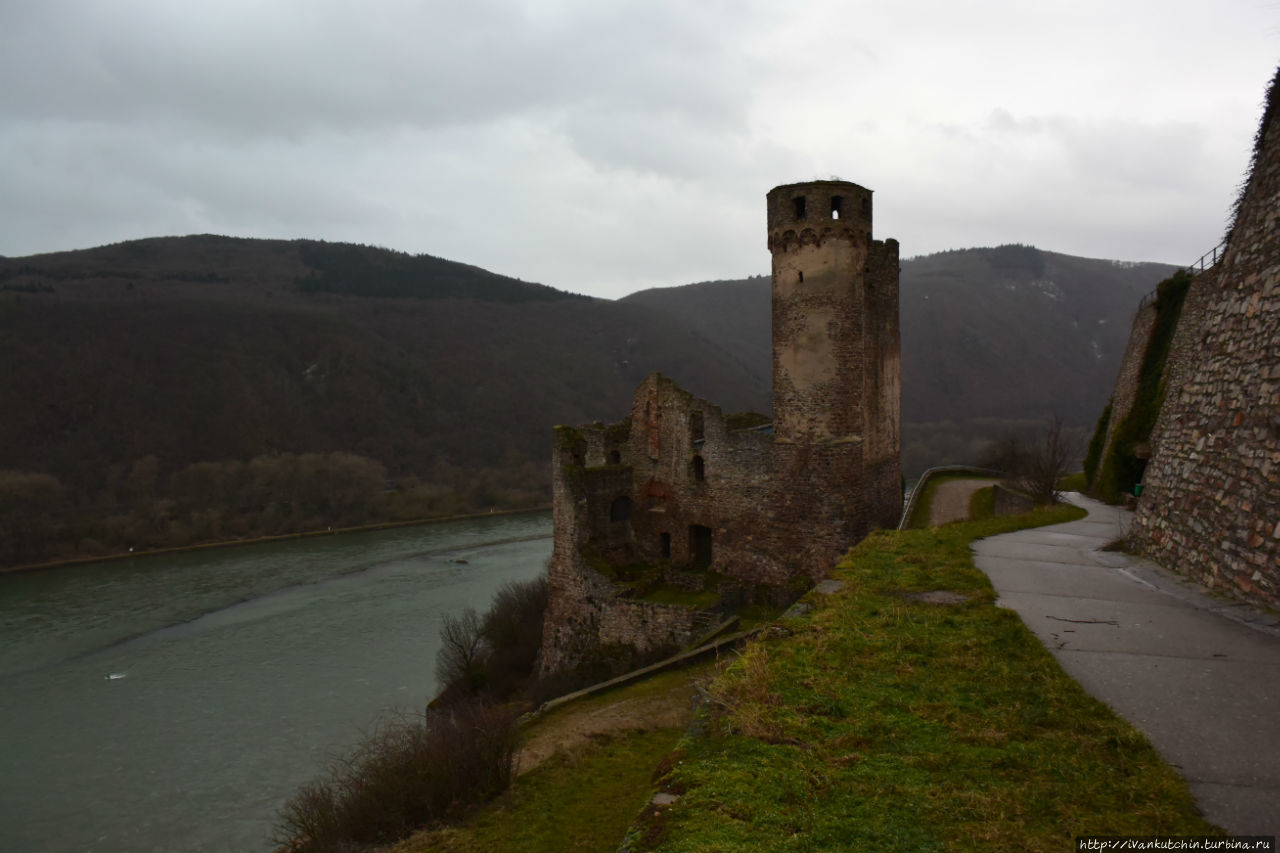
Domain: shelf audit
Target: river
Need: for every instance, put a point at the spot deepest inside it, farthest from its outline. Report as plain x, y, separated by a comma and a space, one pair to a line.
174, 702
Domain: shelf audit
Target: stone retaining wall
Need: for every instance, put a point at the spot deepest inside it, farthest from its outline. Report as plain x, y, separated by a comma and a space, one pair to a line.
1210, 504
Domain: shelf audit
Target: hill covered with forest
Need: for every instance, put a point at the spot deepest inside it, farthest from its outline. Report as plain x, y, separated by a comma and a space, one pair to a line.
994, 340
170, 390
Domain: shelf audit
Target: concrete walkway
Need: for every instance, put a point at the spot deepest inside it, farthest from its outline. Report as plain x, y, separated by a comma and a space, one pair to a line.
1198, 675
951, 500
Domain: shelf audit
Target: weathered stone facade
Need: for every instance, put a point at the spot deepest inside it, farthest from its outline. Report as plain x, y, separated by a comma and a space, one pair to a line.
1210, 504
1126, 390
679, 488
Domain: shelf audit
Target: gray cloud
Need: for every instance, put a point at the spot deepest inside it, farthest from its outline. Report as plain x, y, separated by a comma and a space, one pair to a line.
606, 147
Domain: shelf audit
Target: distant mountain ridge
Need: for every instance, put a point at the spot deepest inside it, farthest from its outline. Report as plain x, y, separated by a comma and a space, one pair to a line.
208, 348
131, 363
993, 339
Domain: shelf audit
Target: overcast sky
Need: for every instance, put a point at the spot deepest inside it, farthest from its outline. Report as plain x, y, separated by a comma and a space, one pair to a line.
605, 147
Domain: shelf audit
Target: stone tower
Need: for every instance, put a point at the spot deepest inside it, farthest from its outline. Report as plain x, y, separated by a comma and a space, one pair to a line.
680, 495
836, 348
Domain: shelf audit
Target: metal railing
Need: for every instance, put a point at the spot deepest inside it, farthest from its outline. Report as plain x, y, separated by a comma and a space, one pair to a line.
1209, 259
912, 497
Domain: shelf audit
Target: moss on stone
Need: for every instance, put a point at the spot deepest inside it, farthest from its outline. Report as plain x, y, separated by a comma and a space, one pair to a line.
1122, 468
744, 420
1094, 455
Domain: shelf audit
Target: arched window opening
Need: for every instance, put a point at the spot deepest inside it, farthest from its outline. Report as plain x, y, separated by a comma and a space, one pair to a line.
697, 429
798, 201
837, 203
620, 509
699, 469
700, 545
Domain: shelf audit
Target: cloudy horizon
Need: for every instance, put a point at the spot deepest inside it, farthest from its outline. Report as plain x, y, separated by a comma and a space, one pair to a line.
609, 147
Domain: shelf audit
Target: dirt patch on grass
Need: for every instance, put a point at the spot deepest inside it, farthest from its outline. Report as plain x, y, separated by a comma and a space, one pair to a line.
574, 727
951, 500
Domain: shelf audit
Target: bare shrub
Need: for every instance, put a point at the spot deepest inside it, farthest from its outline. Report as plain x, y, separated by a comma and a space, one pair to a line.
512, 630
410, 772
461, 659
494, 655
1035, 467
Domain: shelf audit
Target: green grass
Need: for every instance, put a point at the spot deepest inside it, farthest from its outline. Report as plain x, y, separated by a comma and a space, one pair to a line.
1073, 483
982, 503
581, 801
881, 722
920, 513
670, 594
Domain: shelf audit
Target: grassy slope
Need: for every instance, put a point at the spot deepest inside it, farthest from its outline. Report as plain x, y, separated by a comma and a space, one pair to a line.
579, 801
884, 723
878, 722
585, 796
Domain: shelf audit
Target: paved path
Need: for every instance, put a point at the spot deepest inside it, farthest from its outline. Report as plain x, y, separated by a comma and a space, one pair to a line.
1198, 675
951, 500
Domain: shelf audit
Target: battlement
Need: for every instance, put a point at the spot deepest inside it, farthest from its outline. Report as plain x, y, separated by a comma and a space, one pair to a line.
810, 213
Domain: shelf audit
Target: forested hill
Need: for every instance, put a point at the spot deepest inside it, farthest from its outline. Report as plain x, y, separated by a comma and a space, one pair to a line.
169, 390
993, 339
143, 378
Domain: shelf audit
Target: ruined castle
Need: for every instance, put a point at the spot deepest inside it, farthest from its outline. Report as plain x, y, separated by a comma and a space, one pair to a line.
680, 508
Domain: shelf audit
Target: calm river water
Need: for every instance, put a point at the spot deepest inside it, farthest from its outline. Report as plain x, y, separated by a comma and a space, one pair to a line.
173, 703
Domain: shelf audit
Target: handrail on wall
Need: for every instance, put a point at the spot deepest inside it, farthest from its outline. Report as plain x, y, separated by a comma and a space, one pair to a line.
1208, 260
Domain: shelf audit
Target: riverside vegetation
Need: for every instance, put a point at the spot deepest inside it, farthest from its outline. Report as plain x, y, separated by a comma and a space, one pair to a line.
416, 770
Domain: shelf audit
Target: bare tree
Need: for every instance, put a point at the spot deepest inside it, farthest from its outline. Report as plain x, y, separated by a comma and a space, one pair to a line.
1033, 468
462, 651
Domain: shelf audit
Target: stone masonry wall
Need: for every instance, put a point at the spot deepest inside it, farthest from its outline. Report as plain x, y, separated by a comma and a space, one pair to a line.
1210, 505
674, 489
1127, 380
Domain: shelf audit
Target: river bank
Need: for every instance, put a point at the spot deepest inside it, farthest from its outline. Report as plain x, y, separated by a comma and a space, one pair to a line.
260, 540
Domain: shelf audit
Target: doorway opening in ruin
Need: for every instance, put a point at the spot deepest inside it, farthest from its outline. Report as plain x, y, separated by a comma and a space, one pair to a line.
700, 546
665, 540
620, 509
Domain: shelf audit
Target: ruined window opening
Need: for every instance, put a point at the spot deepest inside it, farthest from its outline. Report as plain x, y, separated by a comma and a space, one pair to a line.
699, 469
800, 276
866, 206
700, 546
620, 509
665, 539
579, 455
836, 204
615, 457
798, 201
696, 427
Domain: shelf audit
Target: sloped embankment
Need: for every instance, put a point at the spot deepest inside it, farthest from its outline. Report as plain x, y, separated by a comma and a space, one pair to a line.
908, 712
